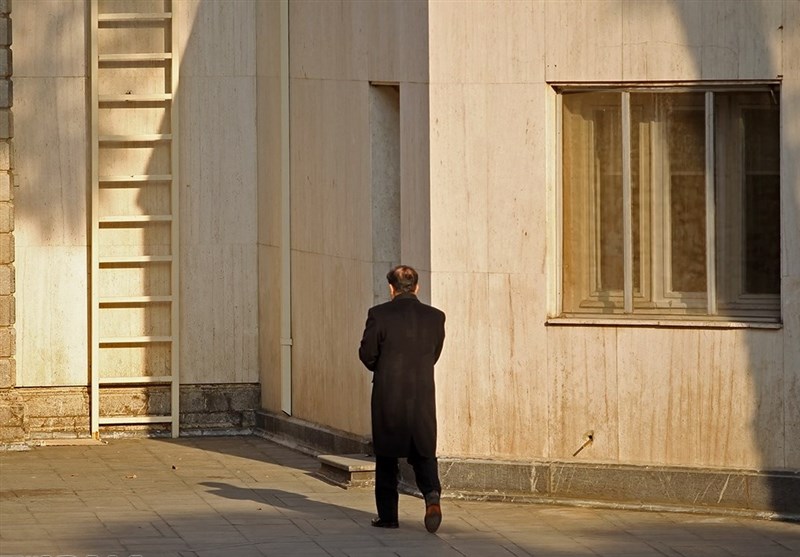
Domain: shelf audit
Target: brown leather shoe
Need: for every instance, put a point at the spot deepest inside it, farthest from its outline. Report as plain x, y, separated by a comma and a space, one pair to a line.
380, 523
433, 517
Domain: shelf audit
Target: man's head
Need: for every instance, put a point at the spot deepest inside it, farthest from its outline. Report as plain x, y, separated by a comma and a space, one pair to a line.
403, 280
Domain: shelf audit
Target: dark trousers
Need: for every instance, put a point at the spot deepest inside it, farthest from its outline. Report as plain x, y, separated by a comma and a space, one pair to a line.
426, 472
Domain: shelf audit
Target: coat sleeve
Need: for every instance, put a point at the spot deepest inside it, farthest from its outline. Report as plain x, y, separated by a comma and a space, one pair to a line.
440, 343
370, 349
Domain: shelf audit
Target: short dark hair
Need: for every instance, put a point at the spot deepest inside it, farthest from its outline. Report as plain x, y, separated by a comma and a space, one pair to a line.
403, 279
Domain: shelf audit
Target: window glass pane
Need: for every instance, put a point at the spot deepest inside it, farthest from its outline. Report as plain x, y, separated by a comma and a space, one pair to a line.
608, 162
762, 264
592, 201
685, 123
642, 120
748, 202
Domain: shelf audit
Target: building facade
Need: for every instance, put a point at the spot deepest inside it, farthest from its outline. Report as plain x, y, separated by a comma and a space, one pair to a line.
602, 196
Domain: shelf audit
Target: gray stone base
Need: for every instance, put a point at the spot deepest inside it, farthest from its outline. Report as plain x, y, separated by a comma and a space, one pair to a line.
766, 494
307, 437
30, 414
762, 494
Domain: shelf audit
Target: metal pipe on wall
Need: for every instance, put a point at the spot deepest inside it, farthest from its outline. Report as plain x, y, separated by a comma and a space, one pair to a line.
286, 246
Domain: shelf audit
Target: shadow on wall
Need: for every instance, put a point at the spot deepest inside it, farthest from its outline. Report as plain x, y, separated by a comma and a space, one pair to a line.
774, 380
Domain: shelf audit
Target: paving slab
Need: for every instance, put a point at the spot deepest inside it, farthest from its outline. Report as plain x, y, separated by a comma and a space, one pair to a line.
249, 497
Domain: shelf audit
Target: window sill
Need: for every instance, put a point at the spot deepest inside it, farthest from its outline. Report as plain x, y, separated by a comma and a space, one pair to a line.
660, 323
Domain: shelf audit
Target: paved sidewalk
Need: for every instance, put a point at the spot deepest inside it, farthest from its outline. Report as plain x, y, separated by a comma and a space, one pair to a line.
247, 497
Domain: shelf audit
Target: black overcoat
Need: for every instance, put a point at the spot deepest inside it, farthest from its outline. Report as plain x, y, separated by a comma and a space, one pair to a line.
402, 341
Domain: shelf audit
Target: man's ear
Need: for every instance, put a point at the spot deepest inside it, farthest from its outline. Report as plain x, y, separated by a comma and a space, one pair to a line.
416, 289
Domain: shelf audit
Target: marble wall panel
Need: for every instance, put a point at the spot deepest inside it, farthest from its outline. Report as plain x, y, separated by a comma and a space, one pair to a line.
790, 233
741, 39
487, 42
268, 114
52, 313
518, 367
791, 370
331, 199
268, 39
515, 176
488, 177
269, 161
269, 330
694, 397
459, 182
50, 212
583, 393
216, 38
702, 40
63, 23
660, 40
329, 384
328, 40
219, 313
771, 384
790, 175
492, 378
219, 197
463, 374
583, 40
51, 159
218, 161
396, 39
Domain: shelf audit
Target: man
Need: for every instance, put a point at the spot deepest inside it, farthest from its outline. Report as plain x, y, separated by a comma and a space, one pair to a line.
402, 341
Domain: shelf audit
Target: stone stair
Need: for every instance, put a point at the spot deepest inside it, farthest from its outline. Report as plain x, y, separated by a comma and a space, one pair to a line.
348, 470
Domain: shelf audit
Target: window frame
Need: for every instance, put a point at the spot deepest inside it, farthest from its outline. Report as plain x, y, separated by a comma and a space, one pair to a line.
653, 286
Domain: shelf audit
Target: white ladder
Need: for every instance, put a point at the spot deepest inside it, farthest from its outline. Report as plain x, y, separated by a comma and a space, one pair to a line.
134, 215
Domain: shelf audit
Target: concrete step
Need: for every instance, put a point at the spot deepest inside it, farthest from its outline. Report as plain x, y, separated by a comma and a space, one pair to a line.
348, 470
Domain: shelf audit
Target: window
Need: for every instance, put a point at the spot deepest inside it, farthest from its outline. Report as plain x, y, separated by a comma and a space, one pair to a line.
671, 203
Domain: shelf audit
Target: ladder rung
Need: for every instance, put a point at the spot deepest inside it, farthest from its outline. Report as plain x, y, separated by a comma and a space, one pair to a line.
133, 17
135, 219
135, 420
135, 138
148, 97
135, 259
137, 57
134, 340
122, 300
136, 380
137, 178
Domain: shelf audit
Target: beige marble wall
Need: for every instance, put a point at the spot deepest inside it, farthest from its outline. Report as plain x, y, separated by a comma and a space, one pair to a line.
218, 158
698, 397
331, 234
612, 40
268, 91
790, 232
487, 213
337, 50
475, 148
51, 193
217, 103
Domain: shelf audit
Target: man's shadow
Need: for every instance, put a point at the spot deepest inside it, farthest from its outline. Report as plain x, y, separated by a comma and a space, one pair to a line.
294, 504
